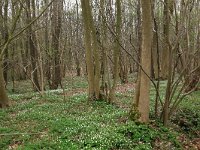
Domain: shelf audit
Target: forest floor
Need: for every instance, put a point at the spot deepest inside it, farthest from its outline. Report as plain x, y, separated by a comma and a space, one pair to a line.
65, 120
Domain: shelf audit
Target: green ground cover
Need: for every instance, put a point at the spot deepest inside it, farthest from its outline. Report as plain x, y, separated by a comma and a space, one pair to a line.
69, 122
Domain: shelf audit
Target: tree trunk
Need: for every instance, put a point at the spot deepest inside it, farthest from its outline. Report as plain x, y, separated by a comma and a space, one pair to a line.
142, 98
168, 4
5, 38
116, 51
169, 63
155, 52
33, 44
77, 59
4, 101
56, 31
89, 57
92, 51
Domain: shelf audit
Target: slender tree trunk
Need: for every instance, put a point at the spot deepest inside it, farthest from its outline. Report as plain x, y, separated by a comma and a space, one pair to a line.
169, 63
77, 59
144, 84
168, 5
33, 44
95, 48
106, 83
56, 31
155, 52
116, 51
47, 47
92, 51
4, 101
89, 54
139, 48
5, 38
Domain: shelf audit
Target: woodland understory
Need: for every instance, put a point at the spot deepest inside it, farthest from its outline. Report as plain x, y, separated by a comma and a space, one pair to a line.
100, 74
65, 120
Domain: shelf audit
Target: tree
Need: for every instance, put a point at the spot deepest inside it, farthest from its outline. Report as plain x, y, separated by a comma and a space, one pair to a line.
56, 31
4, 100
92, 51
142, 101
32, 44
5, 37
116, 52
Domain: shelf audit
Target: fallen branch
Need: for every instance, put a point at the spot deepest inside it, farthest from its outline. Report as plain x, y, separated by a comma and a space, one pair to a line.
10, 134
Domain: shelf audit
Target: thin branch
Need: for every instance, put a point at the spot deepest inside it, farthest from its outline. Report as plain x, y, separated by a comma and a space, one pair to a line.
20, 32
10, 134
134, 60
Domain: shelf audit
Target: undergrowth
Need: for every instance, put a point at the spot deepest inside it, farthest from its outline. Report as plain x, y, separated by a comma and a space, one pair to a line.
73, 123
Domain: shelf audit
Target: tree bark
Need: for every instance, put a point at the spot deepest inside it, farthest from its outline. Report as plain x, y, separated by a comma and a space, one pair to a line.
144, 84
4, 101
32, 44
116, 51
56, 31
168, 6
5, 37
92, 51
89, 57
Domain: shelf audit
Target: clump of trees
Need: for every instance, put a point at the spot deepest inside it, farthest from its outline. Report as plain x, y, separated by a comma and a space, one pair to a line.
45, 41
